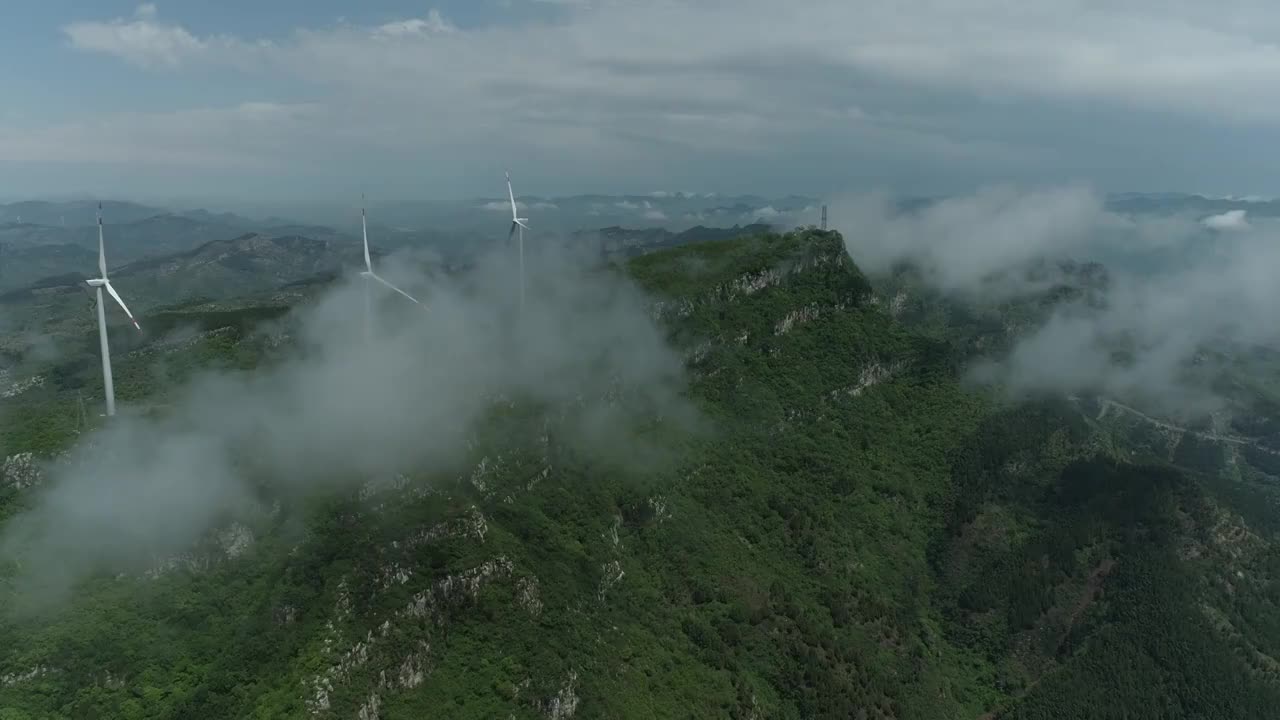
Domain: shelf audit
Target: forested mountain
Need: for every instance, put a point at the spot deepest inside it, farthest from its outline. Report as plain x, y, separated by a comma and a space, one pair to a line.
826, 523
619, 242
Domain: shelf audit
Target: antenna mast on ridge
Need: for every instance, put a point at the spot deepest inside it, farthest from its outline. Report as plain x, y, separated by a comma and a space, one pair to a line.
824, 218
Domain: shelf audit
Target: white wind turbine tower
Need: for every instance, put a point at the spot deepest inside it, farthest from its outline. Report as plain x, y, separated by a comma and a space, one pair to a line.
99, 284
517, 224
369, 274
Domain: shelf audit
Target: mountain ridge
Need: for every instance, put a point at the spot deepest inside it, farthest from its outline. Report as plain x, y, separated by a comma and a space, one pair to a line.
860, 536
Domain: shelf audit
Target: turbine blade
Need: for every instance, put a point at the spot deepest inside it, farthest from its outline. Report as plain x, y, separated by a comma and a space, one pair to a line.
511, 195
521, 223
102, 248
393, 287
513, 231
364, 228
115, 295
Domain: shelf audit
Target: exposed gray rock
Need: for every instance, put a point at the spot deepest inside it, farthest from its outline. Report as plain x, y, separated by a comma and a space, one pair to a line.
20, 471
565, 703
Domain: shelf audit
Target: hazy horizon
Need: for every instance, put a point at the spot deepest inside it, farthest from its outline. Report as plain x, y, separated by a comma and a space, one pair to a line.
333, 211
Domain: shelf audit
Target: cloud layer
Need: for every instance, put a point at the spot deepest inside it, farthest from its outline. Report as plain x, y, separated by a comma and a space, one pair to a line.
865, 92
1184, 58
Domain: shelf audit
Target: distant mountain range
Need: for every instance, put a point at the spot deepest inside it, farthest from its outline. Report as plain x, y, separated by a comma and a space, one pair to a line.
43, 239
74, 213
563, 215
30, 252
164, 255
1175, 203
244, 264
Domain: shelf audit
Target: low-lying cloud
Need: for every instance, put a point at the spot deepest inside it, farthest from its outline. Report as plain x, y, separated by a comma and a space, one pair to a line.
342, 409
1175, 292
1229, 220
972, 244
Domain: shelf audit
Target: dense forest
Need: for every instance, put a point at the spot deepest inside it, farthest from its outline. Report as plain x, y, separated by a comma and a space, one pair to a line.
851, 533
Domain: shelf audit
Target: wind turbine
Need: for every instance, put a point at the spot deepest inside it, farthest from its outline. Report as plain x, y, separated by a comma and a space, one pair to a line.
369, 274
517, 224
99, 284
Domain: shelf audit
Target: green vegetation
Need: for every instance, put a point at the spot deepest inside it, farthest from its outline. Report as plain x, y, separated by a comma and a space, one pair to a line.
854, 536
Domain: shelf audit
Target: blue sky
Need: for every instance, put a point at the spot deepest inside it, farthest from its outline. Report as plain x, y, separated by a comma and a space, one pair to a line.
291, 100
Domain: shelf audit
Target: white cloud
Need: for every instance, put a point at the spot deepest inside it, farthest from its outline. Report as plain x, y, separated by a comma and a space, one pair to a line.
768, 212
142, 41
627, 205
1229, 220
989, 246
961, 243
1167, 319
433, 24
654, 214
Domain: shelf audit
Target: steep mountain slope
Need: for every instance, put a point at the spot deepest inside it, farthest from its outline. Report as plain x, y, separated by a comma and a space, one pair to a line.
1087, 582
851, 534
